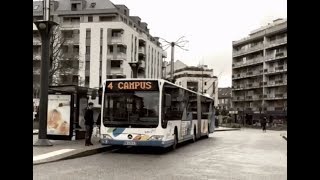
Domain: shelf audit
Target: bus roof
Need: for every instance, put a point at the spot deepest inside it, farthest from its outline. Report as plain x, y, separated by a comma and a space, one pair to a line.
159, 80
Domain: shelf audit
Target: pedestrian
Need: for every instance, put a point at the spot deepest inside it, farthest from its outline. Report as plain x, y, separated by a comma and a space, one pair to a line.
264, 123
88, 117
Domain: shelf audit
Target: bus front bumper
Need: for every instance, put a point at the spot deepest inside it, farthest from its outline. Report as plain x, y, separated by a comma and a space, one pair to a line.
137, 143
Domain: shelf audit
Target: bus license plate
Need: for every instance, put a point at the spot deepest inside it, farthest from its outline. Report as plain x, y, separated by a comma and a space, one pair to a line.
130, 143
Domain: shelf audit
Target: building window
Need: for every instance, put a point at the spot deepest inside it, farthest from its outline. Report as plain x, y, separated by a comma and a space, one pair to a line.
87, 50
205, 83
105, 18
111, 49
90, 18
180, 83
87, 81
125, 12
75, 6
205, 91
88, 34
92, 5
76, 49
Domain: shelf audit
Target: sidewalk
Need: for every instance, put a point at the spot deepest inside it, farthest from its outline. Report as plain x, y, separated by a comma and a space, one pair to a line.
62, 150
225, 129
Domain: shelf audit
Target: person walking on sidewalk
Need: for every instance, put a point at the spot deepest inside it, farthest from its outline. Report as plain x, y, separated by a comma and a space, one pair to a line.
88, 116
264, 124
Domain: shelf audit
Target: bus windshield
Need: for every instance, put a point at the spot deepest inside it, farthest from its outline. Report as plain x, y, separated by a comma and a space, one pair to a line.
136, 109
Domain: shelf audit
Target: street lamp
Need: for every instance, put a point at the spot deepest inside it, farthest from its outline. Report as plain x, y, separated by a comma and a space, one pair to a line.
45, 29
172, 45
134, 66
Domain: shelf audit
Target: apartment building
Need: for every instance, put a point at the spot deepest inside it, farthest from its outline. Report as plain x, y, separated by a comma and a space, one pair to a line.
101, 38
199, 79
259, 71
225, 97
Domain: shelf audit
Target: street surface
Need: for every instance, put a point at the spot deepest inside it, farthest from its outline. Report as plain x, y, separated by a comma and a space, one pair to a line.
247, 154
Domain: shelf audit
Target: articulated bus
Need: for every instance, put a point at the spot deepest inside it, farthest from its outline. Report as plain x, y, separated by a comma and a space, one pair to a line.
153, 112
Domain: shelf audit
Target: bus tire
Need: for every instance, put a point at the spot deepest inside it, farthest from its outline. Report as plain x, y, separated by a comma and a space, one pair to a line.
194, 138
175, 140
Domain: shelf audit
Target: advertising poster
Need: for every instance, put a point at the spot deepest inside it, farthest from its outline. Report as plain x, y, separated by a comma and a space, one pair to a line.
58, 122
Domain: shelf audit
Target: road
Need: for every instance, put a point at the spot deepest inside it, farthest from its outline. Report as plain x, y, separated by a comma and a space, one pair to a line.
247, 154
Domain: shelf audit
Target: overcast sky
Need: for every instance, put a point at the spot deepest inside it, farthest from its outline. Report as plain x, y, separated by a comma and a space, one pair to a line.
210, 26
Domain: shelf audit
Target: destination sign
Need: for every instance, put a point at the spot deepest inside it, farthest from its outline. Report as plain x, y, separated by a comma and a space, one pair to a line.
132, 86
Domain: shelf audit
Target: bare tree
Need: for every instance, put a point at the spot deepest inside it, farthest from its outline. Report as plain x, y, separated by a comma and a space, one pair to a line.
62, 63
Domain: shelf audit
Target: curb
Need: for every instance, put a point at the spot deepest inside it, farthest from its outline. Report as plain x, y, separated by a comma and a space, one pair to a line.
75, 155
235, 129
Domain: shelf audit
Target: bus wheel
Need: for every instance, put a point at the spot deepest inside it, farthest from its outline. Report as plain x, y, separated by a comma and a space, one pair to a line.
194, 139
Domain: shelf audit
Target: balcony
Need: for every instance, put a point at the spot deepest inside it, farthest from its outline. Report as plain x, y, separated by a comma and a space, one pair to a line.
116, 71
119, 56
238, 98
277, 83
275, 96
248, 63
277, 42
72, 40
257, 97
70, 25
247, 51
142, 50
117, 39
142, 64
252, 86
278, 55
276, 70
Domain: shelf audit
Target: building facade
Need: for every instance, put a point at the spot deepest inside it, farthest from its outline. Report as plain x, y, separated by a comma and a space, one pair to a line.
259, 71
225, 98
101, 38
199, 79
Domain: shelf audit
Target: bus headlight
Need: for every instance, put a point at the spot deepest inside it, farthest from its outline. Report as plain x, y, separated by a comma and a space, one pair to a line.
106, 136
156, 137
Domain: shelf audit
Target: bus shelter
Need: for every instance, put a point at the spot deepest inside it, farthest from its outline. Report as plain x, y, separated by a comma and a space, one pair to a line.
66, 107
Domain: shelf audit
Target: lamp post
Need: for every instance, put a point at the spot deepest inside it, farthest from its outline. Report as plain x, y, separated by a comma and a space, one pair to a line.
134, 66
45, 29
172, 45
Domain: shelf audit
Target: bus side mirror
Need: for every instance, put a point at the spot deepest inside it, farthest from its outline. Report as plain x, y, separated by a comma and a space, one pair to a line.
167, 100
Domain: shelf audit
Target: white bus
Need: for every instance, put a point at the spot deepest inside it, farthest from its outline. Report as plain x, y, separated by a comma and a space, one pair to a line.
153, 112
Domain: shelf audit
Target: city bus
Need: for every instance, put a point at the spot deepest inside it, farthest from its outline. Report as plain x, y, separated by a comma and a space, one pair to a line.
153, 112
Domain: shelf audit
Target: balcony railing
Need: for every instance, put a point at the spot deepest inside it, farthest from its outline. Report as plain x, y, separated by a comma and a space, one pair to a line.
117, 39
142, 50
142, 64
249, 50
119, 56
115, 70
72, 40
276, 56
248, 63
277, 42
71, 24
